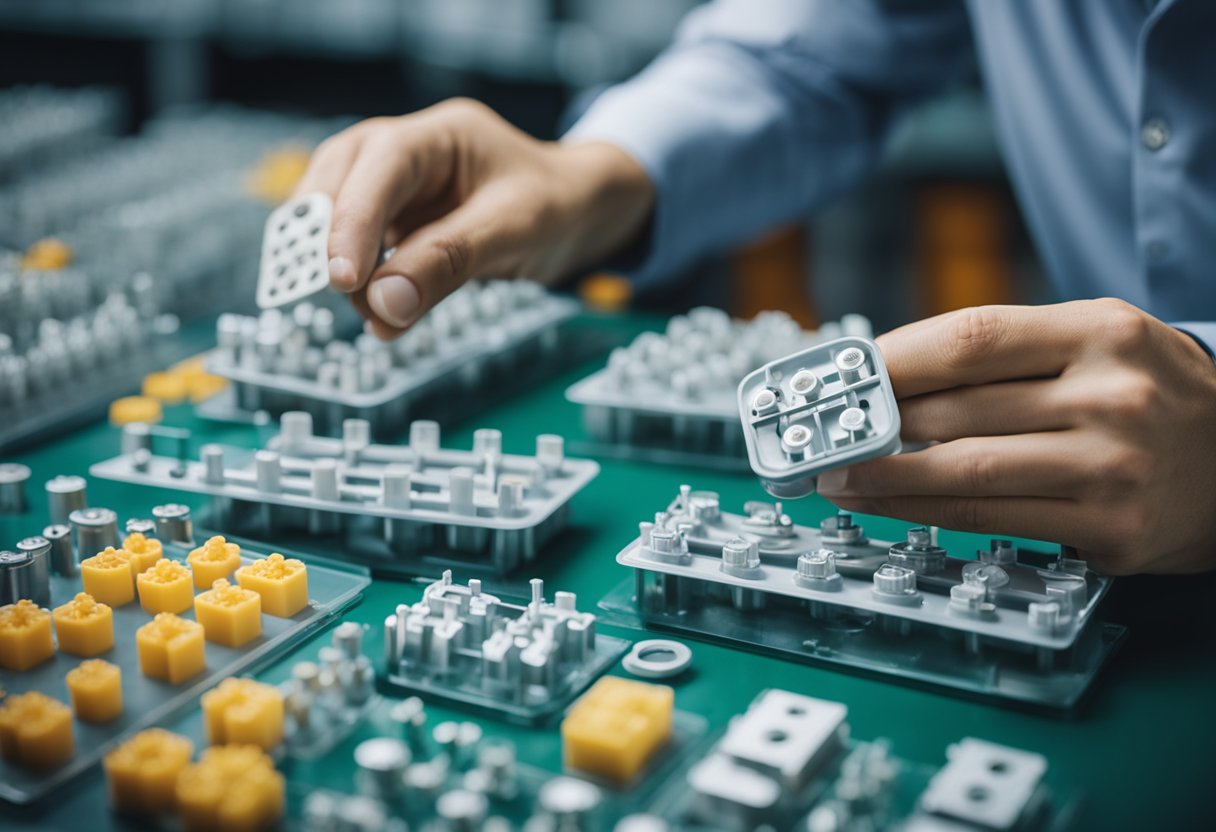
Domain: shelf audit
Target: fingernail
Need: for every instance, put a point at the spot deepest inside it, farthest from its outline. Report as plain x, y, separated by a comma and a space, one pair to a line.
394, 299
342, 274
834, 481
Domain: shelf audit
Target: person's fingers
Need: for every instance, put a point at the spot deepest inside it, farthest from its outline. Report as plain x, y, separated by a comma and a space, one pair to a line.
1056, 464
982, 344
1041, 518
1004, 408
390, 170
329, 164
480, 236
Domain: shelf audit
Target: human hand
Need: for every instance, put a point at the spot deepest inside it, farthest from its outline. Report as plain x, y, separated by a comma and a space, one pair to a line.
1088, 423
462, 194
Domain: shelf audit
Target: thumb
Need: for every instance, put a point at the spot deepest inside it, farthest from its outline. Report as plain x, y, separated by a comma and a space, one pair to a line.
477, 238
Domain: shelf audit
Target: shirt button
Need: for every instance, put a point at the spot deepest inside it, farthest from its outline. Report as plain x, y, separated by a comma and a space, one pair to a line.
1155, 133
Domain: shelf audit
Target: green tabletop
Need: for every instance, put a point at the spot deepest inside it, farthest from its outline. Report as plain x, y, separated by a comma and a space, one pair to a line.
1140, 749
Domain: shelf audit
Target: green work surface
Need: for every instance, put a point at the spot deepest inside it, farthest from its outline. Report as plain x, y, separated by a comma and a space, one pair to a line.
1139, 750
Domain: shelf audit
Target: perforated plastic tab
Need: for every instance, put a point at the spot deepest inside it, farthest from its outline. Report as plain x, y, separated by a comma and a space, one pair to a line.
294, 251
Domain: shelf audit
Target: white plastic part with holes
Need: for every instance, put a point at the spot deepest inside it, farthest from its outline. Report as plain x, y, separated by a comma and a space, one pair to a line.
825, 407
657, 658
989, 785
295, 261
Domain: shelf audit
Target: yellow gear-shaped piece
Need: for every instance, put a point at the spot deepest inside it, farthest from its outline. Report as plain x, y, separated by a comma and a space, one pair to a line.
47, 255
276, 175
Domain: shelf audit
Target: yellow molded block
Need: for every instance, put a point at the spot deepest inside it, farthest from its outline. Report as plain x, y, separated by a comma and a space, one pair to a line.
141, 774
232, 788
167, 387
243, 712
95, 687
166, 587
25, 635
616, 727
282, 583
131, 409
47, 255
109, 577
170, 648
83, 626
230, 615
35, 730
143, 552
215, 559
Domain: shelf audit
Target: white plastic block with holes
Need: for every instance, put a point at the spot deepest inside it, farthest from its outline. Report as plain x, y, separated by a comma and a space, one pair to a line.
295, 261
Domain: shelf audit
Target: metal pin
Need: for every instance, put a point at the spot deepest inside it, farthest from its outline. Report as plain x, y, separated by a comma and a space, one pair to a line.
65, 494
173, 523
94, 529
63, 555
13, 477
38, 572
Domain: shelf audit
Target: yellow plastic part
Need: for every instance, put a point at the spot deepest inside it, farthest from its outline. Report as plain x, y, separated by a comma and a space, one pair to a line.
616, 727
230, 615
243, 712
131, 409
83, 626
166, 587
47, 255
232, 788
109, 576
170, 648
35, 730
165, 386
141, 774
276, 175
215, 559
282, 583
143, 552
95, 687
200, 384
606, 292
25, 635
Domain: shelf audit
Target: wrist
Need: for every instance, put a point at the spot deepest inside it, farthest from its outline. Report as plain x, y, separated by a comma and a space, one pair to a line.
613, 201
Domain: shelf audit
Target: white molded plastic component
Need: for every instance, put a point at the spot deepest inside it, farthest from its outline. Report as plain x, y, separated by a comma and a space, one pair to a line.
295, 260
822, 408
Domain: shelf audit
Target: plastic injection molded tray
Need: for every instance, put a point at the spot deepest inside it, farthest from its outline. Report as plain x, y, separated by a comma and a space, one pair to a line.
478, 337
996, 626
822, 408
146, 702
409, 509
670, 397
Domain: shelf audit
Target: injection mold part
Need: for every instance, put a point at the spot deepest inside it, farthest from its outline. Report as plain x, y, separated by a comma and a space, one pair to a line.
282, 584
141, 773
166, 587
84, 626
95, 688
25, 635
1008, 624
524, 661
295, 263
143, 551
821, 408
13, 477
415, 508
215, 559
670, 396
481, 333
230, 615
35, 730
657, 658
616, 727
146, 700
109, 577
170, 648
232, 788
243, 712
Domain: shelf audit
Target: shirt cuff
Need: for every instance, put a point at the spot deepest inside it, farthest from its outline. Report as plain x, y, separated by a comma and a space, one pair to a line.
1204, 333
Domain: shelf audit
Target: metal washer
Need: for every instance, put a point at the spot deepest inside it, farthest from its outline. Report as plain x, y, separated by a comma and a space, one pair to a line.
637, 663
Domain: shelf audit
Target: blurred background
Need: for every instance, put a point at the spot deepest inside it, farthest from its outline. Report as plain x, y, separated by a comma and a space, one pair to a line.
200, 87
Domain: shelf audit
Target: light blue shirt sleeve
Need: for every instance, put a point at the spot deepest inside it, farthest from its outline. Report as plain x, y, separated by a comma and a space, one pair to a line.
760, 111
1202, 331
